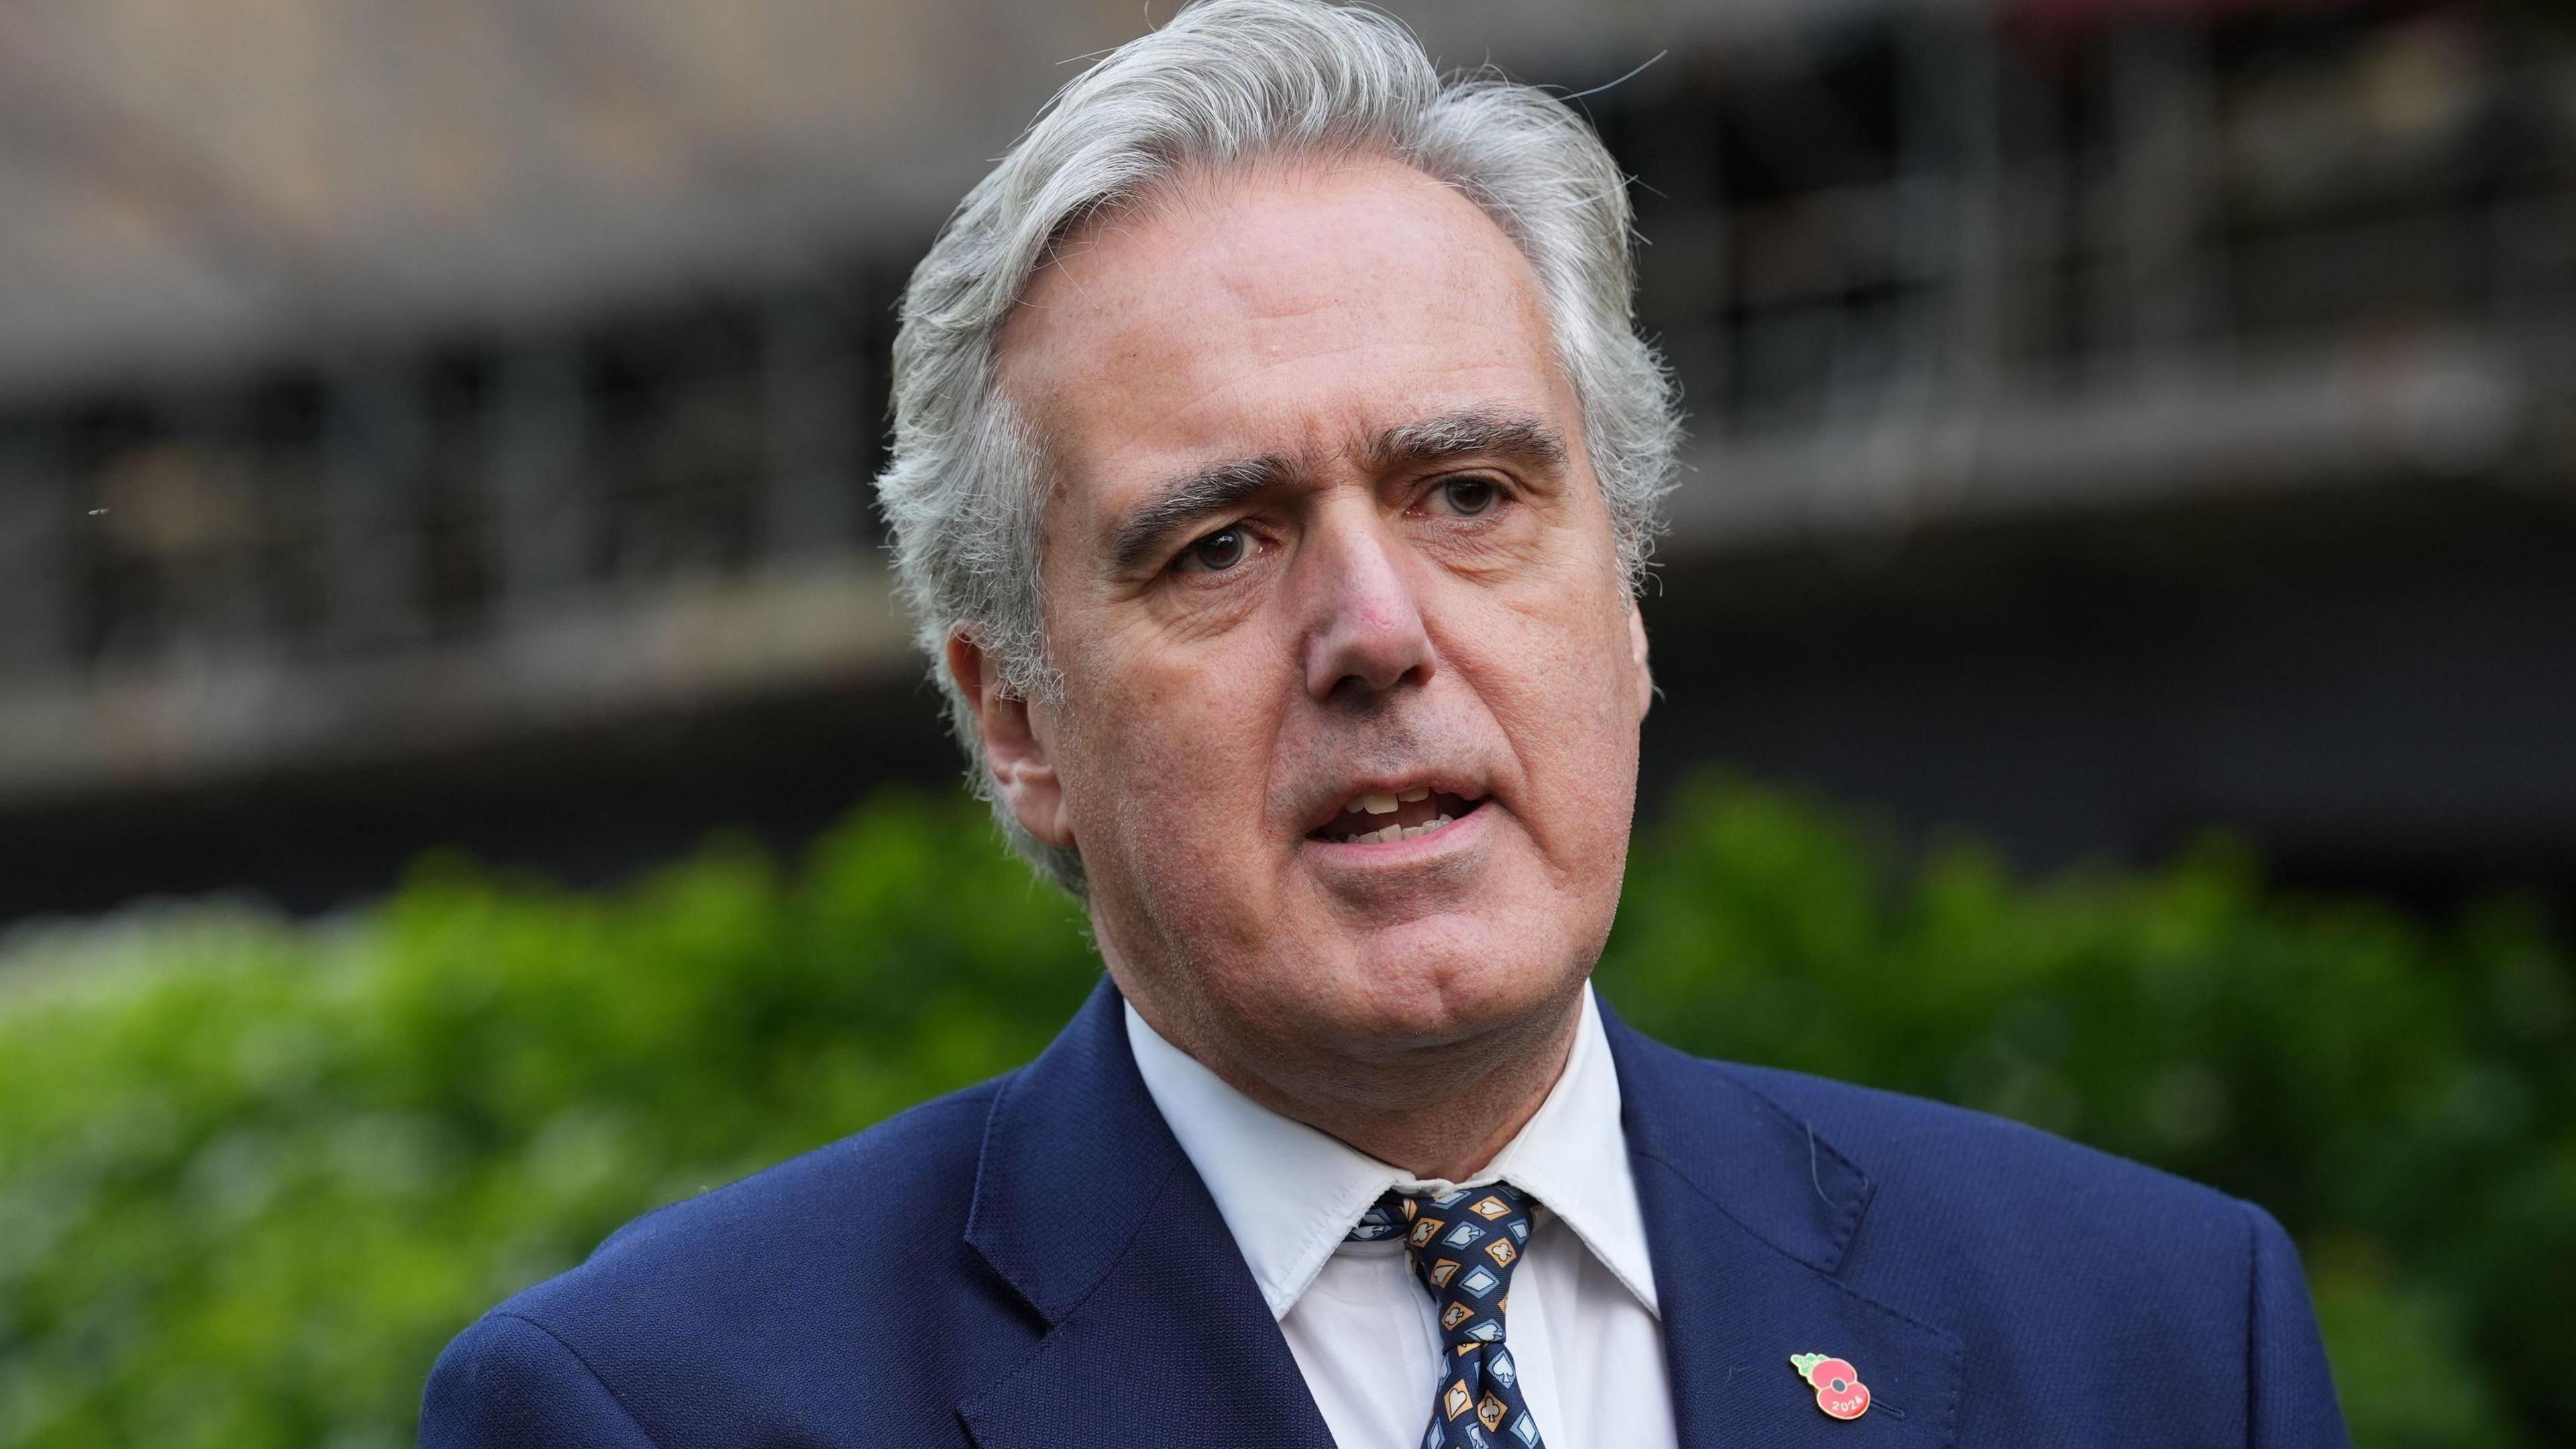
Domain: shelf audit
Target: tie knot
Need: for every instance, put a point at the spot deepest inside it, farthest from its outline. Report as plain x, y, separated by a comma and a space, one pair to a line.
1464, 1244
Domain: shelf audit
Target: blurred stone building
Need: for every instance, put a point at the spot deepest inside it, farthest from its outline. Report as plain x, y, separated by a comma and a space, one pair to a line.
449, 424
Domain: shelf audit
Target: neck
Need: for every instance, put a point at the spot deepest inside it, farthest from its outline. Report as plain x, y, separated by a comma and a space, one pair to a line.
1497, 1080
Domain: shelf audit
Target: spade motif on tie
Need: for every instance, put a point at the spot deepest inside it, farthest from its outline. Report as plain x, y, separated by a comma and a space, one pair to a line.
1463, 1245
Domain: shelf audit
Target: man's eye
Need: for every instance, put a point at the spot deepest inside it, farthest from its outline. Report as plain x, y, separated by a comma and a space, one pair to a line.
1218, 551
1469, 496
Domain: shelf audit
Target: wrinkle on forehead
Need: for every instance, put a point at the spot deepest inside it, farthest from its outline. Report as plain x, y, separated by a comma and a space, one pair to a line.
1195, 200
1210, 320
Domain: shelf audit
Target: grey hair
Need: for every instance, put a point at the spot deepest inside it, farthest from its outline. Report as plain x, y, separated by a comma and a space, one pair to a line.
1228, 83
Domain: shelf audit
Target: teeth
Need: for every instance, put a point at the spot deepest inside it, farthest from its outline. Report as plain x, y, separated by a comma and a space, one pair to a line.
1389, 834
1376, 804
1418, 792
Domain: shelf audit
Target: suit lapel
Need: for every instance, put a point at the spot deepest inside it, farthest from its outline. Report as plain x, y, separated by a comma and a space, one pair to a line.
1156, 1332
1749, 1216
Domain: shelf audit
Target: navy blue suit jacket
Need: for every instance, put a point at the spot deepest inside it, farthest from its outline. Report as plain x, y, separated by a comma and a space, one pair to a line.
1034, 1262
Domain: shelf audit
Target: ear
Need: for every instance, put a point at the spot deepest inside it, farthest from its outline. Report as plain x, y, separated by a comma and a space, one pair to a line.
1637, 658
1016, 743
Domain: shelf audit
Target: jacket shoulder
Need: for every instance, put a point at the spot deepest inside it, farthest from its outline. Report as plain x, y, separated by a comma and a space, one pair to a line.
2143, 1295
877, 1195
2094, 1299
833, 1281
881, 1191
1934, 1163
2010, 1233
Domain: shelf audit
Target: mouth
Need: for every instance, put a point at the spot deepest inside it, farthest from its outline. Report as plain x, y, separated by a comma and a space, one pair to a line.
1383, 817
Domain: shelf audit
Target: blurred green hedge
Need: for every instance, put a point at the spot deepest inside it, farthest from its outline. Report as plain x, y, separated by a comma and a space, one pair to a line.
253, 1174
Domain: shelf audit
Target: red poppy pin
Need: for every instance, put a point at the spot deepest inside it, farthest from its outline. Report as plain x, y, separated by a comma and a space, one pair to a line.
1839, 1391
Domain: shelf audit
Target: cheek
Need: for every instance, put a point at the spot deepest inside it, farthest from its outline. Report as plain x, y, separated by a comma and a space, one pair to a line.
1566, 697
1170, 757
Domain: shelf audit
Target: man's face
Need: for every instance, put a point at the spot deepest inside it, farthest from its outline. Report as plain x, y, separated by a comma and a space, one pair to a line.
1352, 679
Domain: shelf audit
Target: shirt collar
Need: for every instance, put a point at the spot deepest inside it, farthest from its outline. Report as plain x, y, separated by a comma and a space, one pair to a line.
1290, 1194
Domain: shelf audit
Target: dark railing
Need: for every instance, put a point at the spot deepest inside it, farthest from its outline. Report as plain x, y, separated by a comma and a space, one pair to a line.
2079, 246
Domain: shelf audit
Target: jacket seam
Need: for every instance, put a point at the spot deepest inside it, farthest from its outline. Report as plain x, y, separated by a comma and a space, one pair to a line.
1848, 1215
1057, 1312
2253, 1322
1840, 1286
969, 1409
984, 1164
578, 1358
1954, 1349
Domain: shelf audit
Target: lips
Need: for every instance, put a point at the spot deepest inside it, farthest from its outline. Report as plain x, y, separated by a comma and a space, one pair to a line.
1382, 817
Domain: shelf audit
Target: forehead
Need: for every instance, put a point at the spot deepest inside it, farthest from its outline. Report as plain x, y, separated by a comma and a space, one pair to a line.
1297, 309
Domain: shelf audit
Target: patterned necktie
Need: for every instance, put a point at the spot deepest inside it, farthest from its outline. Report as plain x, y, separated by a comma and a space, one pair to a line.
1463, 1245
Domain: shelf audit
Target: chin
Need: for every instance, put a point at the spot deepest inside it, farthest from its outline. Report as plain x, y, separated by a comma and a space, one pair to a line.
1431, 982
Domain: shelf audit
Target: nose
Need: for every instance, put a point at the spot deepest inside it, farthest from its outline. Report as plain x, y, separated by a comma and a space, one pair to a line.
1367, 634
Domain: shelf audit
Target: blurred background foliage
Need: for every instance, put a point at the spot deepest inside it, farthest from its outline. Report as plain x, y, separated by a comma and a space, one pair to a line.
450, 426
254, 1174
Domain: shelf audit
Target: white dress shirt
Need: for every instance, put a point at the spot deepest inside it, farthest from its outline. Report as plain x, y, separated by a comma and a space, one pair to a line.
1583, 1327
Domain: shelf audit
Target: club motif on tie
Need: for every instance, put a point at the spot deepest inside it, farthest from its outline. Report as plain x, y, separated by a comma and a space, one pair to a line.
1462, 1245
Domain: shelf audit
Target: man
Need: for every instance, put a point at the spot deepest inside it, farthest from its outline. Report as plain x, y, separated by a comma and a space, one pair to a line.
1275, 460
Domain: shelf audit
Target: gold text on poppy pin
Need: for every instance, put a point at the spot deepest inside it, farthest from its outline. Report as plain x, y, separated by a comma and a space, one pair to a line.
1839, 1391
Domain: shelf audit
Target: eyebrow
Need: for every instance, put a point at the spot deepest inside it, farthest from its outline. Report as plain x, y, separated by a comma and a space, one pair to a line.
1520, 436
1193, 496
1202, 493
